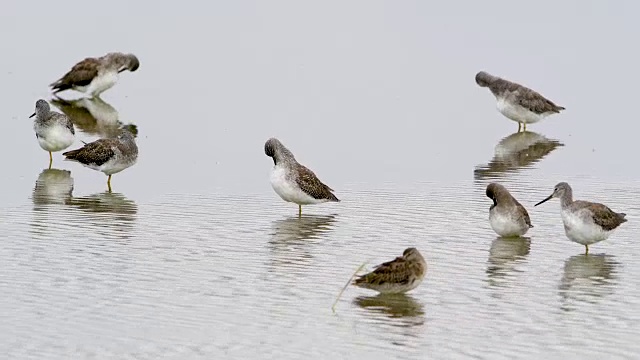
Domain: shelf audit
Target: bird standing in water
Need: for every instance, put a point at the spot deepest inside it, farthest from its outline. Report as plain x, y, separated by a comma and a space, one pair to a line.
507, 216
54, 131
517, 102
294, 182
93, 76
400, 275
109, 156
585, 222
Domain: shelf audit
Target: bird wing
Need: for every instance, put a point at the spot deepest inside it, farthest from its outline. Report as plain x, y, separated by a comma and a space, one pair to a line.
525, 215
64, 120
97, 152
396, 271
312, 186
535, 102
81, 74
601, 214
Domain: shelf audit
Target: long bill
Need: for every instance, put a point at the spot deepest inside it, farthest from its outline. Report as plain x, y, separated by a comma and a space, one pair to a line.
545, 200
32, 115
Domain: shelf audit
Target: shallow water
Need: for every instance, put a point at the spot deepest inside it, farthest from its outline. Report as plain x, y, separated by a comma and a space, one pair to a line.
194, 256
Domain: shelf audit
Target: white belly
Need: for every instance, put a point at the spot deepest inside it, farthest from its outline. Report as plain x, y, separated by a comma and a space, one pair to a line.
100, 83
288, 190
114, 166
581, 231
55, 138
517, 113
505, 225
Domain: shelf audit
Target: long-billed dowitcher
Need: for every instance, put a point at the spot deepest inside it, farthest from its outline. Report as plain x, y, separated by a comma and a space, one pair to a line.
400, 275
517, 102
54, 131
93, 76
507, 216
293, 181
585, 222
109, 156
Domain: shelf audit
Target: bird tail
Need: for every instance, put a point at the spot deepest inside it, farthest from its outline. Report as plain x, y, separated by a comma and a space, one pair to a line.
71, 155
622, 217
333, 198
559, 108
59, 86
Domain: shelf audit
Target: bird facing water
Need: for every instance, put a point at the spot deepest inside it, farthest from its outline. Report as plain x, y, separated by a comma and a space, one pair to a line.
400, 275
109, 156
517, 102
54, 131
96, 75
292, 181
584, 222
507, 216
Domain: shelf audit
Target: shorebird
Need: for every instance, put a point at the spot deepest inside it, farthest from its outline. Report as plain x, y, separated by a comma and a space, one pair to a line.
584, 222
400, 275
517, 102
54, 131
507, 216
293, 181
93, 76
109, 156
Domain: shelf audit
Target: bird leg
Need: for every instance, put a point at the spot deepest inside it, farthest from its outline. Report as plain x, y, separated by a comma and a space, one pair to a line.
519, 126
109, 183
299, 210
586, 249
50, 159
524, 127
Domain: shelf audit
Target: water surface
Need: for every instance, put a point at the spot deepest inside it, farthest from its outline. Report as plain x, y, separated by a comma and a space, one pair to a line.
194, 256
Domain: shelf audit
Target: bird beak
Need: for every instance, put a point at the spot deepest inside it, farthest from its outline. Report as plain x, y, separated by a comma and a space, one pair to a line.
34, 114
545, 200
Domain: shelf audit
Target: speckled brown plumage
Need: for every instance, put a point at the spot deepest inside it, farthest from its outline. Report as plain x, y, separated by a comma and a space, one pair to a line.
81, 74
525, 97
312, 186
398, 275
94, 153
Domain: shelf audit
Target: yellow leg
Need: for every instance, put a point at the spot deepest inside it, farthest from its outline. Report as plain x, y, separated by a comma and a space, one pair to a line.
586, 249
299, 210
109, 183
519, 126
50, 159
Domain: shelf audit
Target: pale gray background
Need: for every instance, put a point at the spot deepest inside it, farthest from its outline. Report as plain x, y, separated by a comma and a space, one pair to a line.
194, 256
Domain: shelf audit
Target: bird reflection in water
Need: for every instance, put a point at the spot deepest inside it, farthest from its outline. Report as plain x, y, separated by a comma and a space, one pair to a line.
93, 116
53, 190
392, 305
514, 152
504, 256
53, 186
107, 213
401, 314
587, 278
292, 237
